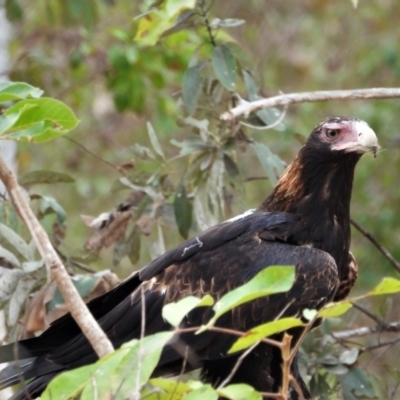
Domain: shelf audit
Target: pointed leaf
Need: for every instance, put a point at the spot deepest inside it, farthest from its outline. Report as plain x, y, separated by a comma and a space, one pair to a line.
154, 140
273, 279
17, 91
227, 23
9, 257
175, 312
333, 310
349, 357
271, 163
223, 64
386, 286
39, 177
183, 210
9, 279
137, 366
191, 87
262, 331
18, 298
16, 241
356, 380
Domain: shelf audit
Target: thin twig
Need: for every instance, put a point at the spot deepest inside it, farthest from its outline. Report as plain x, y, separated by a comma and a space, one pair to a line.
181, 373
306, 97
374, 317
379, 345
277, 396
93, 154
229, 332
297, 387
204, 14
271, 126
384, 251
55, 269
238, 363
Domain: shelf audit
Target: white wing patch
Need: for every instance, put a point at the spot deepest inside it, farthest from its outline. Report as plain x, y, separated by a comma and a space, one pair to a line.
198, 243
241, 216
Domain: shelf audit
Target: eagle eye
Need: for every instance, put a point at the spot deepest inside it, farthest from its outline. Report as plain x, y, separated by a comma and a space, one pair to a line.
331, 133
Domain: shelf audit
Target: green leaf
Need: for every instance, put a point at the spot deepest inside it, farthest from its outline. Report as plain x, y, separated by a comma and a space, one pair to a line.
349, 357
273, 279
171, 386
231, 167
10, 257
153, 24
39, 177
30, 266
223, 64
271, 163
49, 205
134, 246
154, 140
9, 279
174, 7
333, 310
16, 241
251, 85
183, 210
386, 286
18, 91
191, 87
202, 393
175, 312
69, 384
227, 23
19, 298
356, 381
37, 120
260, 332
239, 391
137, 366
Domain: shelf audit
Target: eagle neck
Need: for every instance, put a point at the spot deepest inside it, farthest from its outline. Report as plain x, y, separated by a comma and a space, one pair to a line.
318, 187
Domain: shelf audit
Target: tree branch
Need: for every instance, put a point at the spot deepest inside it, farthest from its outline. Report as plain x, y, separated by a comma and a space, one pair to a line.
369, 236
367, 330
307, 97
55, 269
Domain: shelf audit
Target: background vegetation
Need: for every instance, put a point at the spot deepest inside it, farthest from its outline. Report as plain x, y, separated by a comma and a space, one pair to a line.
118, 74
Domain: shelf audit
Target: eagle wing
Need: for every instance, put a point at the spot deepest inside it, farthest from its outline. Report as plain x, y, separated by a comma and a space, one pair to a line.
218, 260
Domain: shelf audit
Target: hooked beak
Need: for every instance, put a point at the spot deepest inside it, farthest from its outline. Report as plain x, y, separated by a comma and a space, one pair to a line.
367, 140
363, 140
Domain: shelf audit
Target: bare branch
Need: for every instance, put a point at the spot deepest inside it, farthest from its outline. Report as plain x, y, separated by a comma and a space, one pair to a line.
55, 269
374, 317
379, 345
384, 251
307, 97
286, 363
237, 365
367, 330
297, 387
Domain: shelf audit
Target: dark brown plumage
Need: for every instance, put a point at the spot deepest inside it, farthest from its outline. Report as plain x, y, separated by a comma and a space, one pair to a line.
304, 222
